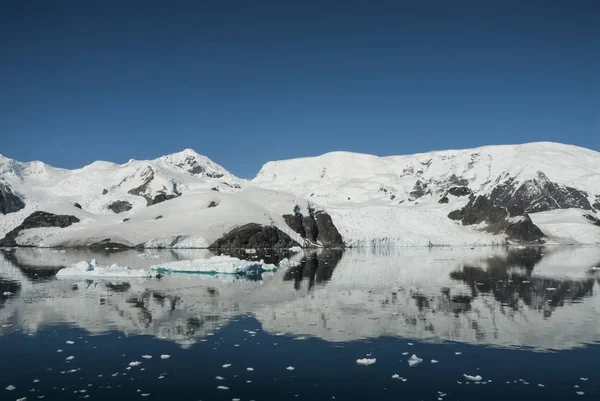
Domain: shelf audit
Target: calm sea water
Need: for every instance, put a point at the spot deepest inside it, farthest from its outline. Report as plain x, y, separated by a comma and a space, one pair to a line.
520, 323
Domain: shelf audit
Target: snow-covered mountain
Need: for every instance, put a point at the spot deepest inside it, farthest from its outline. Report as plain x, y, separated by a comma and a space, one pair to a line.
537, 192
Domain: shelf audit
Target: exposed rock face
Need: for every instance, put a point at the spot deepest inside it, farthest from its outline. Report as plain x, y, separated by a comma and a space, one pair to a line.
255, 236
213, 204
104, 191
9, 202
159, 198
77, 205
512, 221
444, 199
459, 191
120, 206
316, 228
594, 220
38, 220
328, 235
596, 205
539, 195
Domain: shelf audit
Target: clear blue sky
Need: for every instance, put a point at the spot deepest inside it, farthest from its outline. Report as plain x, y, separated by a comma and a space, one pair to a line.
245, 82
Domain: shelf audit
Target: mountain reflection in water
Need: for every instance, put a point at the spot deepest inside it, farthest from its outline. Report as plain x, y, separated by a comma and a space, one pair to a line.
543, 298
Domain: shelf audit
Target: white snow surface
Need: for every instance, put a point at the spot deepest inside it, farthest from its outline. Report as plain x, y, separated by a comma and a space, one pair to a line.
368, 197
91, 269
217, 264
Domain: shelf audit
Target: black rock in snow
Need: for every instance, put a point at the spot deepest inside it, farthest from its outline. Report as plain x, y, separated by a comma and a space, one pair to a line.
294, 221
317, 227
159, 198
255, 236
77, 205
459, 191
9, 202
513, 222
120, 206
444, 199
539, 195
594, 220
37, 220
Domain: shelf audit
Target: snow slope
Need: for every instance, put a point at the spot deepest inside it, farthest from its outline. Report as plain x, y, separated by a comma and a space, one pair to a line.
373, 201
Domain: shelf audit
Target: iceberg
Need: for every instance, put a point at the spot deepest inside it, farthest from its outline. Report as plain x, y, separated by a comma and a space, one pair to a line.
215, 265
91, 269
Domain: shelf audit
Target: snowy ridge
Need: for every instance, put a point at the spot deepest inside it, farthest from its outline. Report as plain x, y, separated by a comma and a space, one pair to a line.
185, 200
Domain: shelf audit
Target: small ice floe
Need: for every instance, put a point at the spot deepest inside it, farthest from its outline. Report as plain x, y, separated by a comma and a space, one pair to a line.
165, 356
7, 293
135, 363
414, 360
70, 358
227, 365
216, 265
410, 344
458, 353
91, 269
579, 393
290, 368
145, 394
22, 399
583, 379
222, 388
550, 289
366, 361
219, 378
541, 385
473, 378
434, 361
576, 386
398, 377
250, 251
147, 356
405, 353
250, 369
70, 342
36, 380
11, 387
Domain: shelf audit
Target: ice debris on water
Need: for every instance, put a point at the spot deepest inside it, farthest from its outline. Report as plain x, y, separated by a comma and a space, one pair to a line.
11, 387
583, 378
434, 361
147, 356
366, 361
458, 353
222, 388
70, 342
290, 368
250, 369
579, 393
219, 378
135, 363
414, 360
165, 356
69, 358
227, 365
473, 378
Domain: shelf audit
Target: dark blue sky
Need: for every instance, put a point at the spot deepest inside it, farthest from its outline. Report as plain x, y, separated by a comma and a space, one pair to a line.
244, 82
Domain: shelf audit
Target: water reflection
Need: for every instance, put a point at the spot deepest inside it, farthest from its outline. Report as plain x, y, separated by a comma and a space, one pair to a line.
544, 298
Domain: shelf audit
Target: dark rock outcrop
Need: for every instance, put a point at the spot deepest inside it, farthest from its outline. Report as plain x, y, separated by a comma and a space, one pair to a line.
512, 221
594, 220
317, 227
9, 202
104, 191
38, 220
254, 235
327, 233
77, 205
159, 198
444, 199
539, 195
459, 191
120, 206
596, 205
213, 204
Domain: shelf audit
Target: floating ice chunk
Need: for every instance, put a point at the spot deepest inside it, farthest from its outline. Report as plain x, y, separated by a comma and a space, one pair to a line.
434, 361
165, 356
216, 265
405, 353
541, 385
366, 361
70, 358
7, 293
227, 365
36, 380
147, 356
70, 342
410, 344
414, 360
145, 394
219, 378
583, 379
473, 378
91, 269
250, 369
396, 376
11, 387
222, 388
22, 399
135, 363
579, 393
458, 353
290, 368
